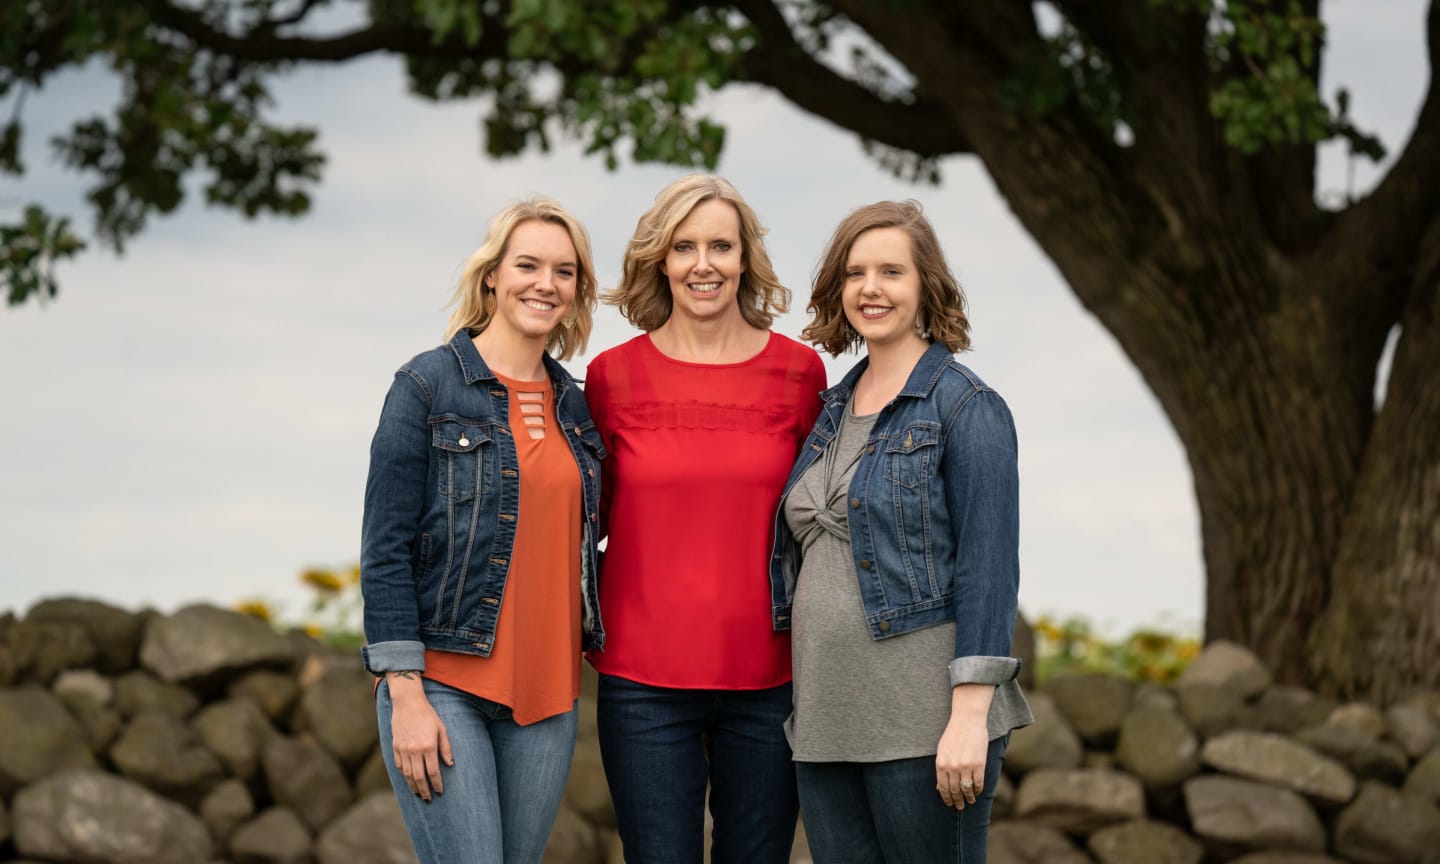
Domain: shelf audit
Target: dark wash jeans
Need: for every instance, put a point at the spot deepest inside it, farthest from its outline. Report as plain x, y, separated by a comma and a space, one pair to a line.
890, 812
660, 745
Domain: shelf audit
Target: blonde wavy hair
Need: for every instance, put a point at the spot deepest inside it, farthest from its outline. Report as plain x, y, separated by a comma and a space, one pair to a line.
942, 300
475, 304
643, 295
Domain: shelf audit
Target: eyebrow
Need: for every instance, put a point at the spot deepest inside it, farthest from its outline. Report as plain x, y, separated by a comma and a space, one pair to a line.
537, 260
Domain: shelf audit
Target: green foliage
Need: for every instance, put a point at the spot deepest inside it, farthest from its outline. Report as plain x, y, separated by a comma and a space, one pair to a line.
1070, 65
28, 252
1274, 99
1073, 645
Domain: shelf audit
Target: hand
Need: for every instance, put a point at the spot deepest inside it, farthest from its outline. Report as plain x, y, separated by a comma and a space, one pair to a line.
960, 761
418, 738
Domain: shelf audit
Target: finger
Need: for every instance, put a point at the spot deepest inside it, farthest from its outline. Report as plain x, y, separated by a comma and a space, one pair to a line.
445, 752
432, 772
415, 774
968, 790
942, 785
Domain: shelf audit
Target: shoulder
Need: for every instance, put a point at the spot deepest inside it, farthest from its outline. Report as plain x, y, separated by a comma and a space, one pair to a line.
431, 365
959, 391
618, 354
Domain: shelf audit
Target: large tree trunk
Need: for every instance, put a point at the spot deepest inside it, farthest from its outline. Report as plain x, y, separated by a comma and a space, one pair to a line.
1380, 635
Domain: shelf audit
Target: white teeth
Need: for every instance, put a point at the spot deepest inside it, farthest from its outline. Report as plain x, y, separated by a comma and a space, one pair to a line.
705, 287
874, 310
539, 305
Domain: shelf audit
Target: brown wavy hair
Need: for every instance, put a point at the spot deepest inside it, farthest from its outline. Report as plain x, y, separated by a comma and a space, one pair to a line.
942, 300
643, 295
475, 305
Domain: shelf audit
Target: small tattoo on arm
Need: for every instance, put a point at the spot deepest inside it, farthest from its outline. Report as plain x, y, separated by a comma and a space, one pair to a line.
407, 674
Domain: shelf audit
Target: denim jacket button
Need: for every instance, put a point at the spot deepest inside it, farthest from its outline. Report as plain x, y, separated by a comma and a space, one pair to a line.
864, 565
464, 442
870, 448
854, 503
884, 626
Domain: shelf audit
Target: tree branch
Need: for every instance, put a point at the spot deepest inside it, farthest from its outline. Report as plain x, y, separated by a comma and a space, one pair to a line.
778, 60
1388, 224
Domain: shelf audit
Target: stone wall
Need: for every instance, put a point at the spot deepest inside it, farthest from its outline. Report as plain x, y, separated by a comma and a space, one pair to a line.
205, 736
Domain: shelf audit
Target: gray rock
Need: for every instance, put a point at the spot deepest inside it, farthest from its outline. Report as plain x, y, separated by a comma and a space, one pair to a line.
1150, 695
89, 696
1386, 826
1098, 759
372, 776
1361, 716
1095, 704
586, 791
1159, 747
1144, 841
1289, 709
1079, 801
1212, 708
1280, 761
1048, 743
303, 777
1229, 666
339, 710
1412, 726
1424, 779
205, 645
89, 817
161, 752
141, 693
226, 808
1018, 842
40, 738
114, 631
236, 731
44, 649
83, 687
276, 836
273, 692
371, 832
1244, 813
572, 839
1362, 751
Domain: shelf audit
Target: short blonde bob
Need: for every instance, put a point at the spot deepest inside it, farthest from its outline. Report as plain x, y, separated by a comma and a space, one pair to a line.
475, 303
942, 301
643, 295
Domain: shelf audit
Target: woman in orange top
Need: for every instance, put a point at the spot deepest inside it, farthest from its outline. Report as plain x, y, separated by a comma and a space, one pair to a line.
479, 550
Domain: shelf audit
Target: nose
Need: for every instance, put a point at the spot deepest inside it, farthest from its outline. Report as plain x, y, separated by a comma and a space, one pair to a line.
870, 287
545, 279
703, 264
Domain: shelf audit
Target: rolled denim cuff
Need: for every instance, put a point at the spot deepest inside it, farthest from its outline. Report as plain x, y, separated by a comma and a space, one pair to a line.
382, 657
983, 670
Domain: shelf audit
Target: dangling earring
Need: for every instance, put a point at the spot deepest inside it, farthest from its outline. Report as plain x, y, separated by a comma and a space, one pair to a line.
571, 316
920, 329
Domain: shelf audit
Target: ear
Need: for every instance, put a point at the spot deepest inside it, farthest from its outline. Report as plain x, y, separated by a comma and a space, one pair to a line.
662, 269
490, 280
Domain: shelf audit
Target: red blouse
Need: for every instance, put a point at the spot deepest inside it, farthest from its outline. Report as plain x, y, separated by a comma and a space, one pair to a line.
698, 456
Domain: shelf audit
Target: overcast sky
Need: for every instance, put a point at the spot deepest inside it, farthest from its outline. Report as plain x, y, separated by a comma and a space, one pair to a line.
191, 421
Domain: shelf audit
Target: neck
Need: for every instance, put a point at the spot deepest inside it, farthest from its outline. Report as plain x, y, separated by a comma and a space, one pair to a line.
718, 340
885, 375
511, 354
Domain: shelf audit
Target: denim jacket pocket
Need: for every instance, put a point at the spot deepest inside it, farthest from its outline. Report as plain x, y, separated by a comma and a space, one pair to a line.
912, 454
459, 455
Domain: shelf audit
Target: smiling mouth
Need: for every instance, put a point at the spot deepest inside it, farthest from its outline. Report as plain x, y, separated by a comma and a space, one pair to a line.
539, 305
875, 312
704, 289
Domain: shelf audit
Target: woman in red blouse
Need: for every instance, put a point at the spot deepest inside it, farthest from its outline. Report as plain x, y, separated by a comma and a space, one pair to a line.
702, 416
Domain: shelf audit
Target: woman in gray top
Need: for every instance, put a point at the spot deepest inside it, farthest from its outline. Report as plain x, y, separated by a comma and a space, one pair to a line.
896, 561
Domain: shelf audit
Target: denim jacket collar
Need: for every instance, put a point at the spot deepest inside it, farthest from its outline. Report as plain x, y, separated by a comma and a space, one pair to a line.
473, 366
921, 381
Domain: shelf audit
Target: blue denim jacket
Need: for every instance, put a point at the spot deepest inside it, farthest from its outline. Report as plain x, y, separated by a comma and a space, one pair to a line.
934, 515
441, 502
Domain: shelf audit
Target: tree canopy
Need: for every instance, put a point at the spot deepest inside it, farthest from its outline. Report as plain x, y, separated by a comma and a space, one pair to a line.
1162, 152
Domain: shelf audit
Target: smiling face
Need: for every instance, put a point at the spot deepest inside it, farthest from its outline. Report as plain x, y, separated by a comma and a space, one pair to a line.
882, 291
705, 261
535, 281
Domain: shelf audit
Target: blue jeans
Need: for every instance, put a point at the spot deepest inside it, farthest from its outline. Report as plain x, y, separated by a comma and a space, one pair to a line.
860, 812
660, 745
501, 796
